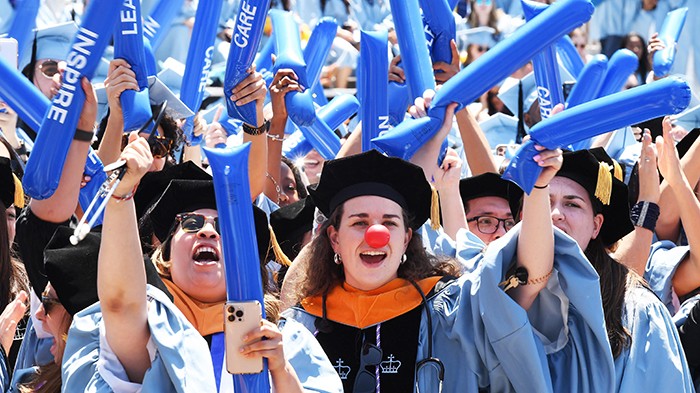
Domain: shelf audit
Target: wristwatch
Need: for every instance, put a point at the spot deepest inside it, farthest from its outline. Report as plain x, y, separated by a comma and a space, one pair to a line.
256, 131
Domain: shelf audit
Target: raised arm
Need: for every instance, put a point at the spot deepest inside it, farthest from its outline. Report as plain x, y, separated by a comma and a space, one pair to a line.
285, 80
476, 146
687, 276
61, 205
536, 239
121, 277
447, 184
633, 249
119, 78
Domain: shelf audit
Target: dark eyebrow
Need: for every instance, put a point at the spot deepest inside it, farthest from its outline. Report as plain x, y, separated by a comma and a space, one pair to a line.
365, 215
575, 197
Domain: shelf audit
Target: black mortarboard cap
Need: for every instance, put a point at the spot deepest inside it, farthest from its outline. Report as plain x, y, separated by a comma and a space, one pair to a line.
490, 184
72, 270
291, 222
7, 183
153, 184
371, 173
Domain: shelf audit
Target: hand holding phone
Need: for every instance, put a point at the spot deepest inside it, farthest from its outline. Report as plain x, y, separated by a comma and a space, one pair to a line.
240, 318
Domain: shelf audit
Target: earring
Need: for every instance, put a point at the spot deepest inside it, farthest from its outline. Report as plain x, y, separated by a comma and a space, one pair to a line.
403, 259
337, 259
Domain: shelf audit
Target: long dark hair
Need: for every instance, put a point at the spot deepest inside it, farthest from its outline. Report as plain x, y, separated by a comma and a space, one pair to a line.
322, 274
644, 65
13, 278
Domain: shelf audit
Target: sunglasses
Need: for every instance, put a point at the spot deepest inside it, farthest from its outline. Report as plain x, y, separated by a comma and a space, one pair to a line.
160, 145
482, 48
194, 222
49, 68
49, 303
366, 381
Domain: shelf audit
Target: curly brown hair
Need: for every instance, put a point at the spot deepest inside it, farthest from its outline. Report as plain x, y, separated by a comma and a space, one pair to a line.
322, 274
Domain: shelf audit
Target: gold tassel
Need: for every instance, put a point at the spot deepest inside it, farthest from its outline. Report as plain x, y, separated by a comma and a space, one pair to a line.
618, 170
19, 192
280, 257
434, 209
603, 188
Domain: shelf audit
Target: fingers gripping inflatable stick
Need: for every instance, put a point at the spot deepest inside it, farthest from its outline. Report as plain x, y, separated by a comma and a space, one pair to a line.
669, 33
484, 73
56, 134
663, 97
239, 245
247, 34
128, 45
372, 86
198, 62
299, 105
157, 25
546, 67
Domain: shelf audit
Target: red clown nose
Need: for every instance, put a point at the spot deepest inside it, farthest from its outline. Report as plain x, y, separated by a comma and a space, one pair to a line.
377, 236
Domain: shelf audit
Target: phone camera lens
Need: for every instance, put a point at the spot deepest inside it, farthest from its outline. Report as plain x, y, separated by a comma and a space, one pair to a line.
239, 313
231, 318
231, 309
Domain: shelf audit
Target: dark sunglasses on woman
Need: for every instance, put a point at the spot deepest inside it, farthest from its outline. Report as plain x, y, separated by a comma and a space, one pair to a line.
48, 68
194, 222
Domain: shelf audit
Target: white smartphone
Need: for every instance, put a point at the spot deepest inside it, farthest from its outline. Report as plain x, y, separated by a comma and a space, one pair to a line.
239, 319
8, 51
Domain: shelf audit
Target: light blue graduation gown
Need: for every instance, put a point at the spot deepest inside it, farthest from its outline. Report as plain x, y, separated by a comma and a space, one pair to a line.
182, 361
663, 261
486, 340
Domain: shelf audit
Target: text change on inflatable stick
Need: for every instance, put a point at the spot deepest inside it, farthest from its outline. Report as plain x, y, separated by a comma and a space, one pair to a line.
300, 106
198, 64
546, 67
442, 29
589, 83
620, 66
128, 45
45, 166
569, 56
669, 34
238, 242
247, 34
157, 25
372, 86
664, 97
318, 47
487, 71
414, 48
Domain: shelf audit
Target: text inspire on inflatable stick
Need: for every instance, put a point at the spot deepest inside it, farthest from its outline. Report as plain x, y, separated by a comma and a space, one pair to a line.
128, 45
669, 33
31, 106
659, 98
157, 25
198, 61
56, 134
487, 71
372, 86
247, 34
238, 242
546, 67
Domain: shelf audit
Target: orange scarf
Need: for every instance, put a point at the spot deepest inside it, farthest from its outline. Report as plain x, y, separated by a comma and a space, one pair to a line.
207, 318
361, 309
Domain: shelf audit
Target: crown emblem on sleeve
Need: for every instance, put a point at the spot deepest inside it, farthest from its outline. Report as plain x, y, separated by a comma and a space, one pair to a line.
390, 366
342, 370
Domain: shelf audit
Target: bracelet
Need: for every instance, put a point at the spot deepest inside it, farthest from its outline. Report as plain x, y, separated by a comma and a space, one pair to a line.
250, 130
277, 187
275, 138
520, 277
82, 135
644, 214
126, 197
541, 187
